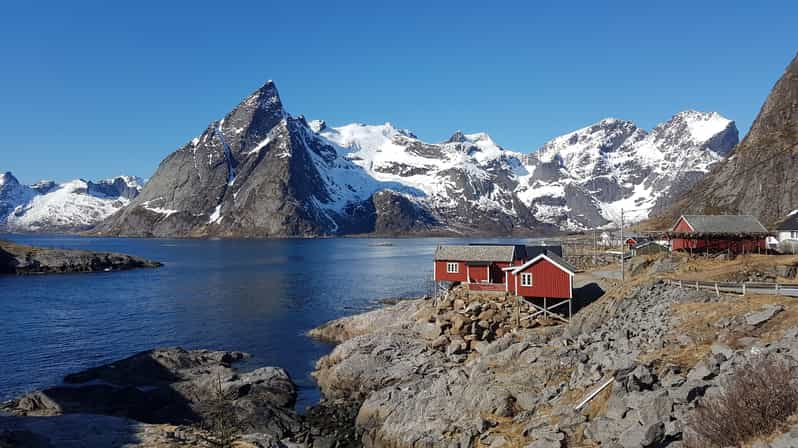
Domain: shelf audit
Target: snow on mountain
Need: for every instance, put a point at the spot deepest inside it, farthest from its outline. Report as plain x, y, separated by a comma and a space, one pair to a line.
597, 171
262, 172
578, 180
69, 206
468, 171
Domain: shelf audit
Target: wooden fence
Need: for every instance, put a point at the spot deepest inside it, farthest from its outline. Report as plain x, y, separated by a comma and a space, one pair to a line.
783, 289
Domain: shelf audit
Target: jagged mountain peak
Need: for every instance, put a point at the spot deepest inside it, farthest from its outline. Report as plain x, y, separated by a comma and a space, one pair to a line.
699, 126
457, 137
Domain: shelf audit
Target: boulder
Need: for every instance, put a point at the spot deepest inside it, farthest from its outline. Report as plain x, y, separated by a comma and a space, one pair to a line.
763, 315
173, 386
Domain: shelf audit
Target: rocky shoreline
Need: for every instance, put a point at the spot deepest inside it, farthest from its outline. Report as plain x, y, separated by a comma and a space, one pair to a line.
463, 370
21, 259
437, 373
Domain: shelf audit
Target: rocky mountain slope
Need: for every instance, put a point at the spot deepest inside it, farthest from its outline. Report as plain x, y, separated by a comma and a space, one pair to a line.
76, 205
261, 172
758, 178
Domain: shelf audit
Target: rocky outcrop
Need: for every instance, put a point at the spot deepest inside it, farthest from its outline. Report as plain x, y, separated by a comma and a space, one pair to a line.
175, 387
757, 178
650, 343
92, 430
23, 260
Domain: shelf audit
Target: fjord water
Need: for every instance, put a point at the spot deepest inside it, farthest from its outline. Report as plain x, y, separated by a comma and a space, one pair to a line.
257, 296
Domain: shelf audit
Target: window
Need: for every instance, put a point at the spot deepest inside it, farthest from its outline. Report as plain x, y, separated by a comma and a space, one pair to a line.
526, 279
452, 268
794, 235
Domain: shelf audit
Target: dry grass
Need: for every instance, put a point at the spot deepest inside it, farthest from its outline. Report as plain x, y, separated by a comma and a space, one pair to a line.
757, 400
505, 426
696, 320
709, 269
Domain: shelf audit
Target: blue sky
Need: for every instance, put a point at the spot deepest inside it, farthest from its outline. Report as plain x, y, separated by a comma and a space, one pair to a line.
95, 89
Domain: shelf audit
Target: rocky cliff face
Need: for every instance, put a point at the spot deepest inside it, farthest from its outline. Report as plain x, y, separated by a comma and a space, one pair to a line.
261, 172
47, 206
758, 178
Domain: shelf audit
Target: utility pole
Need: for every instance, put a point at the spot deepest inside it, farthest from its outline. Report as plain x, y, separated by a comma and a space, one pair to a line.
595, 231
623, 247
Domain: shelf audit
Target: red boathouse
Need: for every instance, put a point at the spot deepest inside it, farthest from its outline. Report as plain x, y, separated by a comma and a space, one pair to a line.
717, 233
528, 272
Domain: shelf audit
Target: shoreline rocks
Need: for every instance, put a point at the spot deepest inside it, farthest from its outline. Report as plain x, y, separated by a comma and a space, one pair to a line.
21, 259
520, 387
195, 389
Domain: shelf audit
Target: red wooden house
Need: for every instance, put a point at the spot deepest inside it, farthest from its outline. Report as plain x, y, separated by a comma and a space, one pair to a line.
530, 272
545, 275
734, 233
478, 264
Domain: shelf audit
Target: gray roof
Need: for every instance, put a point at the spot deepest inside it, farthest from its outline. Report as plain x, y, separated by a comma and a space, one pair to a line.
476, 253
788, 223
552, 256
724, 224
532, 251
561, 261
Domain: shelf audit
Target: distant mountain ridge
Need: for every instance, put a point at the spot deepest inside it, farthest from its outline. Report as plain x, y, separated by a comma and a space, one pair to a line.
589, 175
47, 206
261, 172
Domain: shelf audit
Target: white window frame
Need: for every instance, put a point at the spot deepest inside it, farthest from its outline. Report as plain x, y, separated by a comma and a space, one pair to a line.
526, 279
452, 268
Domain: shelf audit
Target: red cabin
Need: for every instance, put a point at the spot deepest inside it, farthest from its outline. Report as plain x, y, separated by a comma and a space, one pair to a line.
534, 273
546, 275
734, 233
480, 264
526, 271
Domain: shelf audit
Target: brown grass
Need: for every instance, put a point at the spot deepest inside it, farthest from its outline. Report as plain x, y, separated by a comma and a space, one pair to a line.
696, 320
711, 269
757, 400
506, 427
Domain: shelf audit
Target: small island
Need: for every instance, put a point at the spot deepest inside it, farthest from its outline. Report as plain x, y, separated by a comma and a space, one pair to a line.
21, 259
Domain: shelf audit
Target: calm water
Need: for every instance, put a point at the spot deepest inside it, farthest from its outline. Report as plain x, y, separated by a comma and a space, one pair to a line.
255, 296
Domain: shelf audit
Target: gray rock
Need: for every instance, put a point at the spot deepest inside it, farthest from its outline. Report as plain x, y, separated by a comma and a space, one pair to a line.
702, 371
763, 315
173, 386
721, 349
638, 436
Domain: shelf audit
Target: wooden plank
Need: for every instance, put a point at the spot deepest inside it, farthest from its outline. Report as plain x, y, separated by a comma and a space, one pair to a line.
593, 394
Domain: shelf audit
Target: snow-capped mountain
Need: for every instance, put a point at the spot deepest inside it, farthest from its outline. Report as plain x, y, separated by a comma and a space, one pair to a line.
586, 177
261, 172
47, 206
